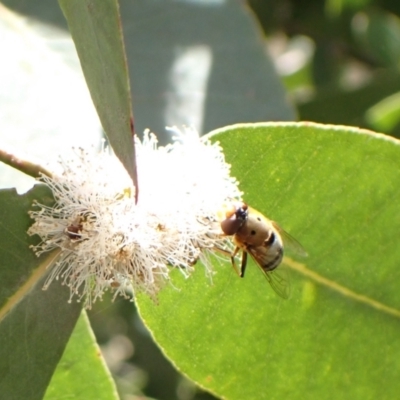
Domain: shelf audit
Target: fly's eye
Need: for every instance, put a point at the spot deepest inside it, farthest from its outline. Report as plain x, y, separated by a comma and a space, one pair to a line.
230, 226
253, 233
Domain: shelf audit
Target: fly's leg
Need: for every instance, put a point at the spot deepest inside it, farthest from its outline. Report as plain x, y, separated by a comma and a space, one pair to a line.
244, 263
232, 255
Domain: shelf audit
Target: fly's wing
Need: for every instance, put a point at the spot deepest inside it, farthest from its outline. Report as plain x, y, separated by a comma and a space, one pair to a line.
279, 281
290, 242
278, 278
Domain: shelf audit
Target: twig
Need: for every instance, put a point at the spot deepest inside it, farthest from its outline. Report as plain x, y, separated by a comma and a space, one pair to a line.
27, 167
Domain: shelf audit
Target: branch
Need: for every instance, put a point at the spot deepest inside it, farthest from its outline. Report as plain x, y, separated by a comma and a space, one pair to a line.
27, 167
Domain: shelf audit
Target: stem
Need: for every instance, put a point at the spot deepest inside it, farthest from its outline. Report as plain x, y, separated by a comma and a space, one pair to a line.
27, 167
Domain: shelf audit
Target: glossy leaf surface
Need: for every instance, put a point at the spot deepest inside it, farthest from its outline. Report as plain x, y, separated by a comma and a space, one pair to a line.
334, 189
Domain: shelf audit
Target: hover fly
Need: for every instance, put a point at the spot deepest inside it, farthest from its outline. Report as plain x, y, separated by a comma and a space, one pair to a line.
264, 240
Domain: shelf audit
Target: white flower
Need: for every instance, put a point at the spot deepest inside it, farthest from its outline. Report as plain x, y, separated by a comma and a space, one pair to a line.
108, 241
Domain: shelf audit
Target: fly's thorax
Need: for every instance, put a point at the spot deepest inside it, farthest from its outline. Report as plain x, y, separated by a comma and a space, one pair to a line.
255, 231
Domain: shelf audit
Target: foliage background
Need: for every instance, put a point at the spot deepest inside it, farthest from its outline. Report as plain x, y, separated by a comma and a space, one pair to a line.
338, 61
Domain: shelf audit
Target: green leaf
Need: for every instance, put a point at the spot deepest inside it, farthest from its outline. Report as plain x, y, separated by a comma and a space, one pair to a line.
378, 33
34, 324
82, 373
385, 115
335, 190
334, 8
95, 27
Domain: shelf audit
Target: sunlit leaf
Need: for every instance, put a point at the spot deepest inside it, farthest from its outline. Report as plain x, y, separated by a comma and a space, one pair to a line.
334, 189
385, 115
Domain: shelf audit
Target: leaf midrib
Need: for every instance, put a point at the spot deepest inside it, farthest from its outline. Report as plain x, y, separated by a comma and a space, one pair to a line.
343, 290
